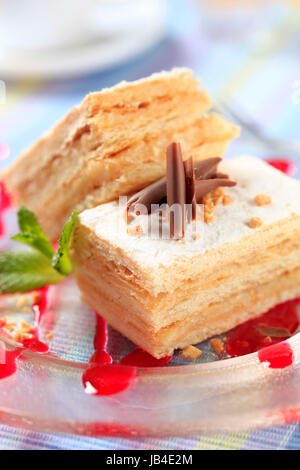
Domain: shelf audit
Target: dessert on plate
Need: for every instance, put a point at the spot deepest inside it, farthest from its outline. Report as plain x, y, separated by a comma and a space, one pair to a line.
193, 246
114, 143
233, 261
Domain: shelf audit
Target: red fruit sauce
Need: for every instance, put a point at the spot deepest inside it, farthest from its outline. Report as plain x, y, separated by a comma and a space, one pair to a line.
284, 165
39, 307
277, 356
104, 378
5, 204
249, 336
8, 362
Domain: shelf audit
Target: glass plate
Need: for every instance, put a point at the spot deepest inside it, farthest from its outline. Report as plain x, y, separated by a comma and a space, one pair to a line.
46, 392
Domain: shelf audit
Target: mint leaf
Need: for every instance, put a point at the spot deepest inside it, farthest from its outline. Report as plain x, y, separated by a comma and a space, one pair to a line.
61, 260
32, 233
22, 271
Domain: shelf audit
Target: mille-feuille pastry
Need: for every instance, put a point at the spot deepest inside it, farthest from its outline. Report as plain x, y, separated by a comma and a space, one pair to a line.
114, 143
231, 263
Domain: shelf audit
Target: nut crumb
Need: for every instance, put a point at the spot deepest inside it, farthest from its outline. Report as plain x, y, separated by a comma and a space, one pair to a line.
254, 222
227, 200
262, 200
196, 236
49, 336
22, 301
127, 216
189, 353
217, 345
20, 336
135, 230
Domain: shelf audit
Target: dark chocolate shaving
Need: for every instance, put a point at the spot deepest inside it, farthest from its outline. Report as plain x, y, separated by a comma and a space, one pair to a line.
206, 186
206, 169
185, 183
152, 194
190, 188
176, 189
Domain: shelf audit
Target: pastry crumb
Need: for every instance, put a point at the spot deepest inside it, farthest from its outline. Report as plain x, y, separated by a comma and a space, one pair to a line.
49, 336
127, 216
217, 345
22, 301
196, 236
262, 199
182, 241
189, 353
217, 195
20, 336
26, 309
227, 200
135, 230
254, 222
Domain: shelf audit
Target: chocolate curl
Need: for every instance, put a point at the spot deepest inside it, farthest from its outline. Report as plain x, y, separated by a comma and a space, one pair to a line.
190, 188
152, 194
206, 186
176, 189
206, 169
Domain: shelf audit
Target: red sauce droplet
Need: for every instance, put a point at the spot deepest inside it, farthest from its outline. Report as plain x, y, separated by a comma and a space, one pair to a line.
140, 358
249, 337
100, 357
39, 307
8, 362
34, 344
5, 203
277, 356
286, 166
107, 379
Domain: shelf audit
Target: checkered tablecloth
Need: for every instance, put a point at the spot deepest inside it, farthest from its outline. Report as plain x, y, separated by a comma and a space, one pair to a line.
261, 73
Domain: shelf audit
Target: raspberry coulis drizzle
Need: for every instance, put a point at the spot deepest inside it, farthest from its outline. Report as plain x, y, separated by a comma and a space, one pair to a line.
104, 378
256, 335
8, 364
39, 307
5, 204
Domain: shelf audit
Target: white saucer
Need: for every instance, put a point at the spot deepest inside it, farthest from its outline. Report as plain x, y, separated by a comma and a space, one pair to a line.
97, 55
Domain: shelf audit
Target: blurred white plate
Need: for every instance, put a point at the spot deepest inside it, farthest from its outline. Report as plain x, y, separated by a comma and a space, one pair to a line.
96, 55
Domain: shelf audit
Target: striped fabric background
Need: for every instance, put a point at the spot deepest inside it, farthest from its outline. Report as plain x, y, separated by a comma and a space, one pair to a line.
261, 74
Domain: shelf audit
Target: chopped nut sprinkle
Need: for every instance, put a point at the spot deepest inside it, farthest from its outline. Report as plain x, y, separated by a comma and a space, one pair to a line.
189, 353
128, 217
135, 230
227, 200
254, 222
217, 345
22, 301
262, 200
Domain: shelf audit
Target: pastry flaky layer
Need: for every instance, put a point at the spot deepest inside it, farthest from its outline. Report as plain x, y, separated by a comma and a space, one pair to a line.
114, 143
164, 294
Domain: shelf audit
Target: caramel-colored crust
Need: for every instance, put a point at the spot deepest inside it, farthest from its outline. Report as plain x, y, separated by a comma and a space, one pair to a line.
114, 143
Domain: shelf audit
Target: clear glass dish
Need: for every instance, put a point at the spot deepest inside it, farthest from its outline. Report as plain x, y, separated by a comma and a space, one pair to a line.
46, 392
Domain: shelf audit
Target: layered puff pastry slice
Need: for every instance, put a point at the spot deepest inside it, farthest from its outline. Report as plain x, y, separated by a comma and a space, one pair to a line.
165, 294
114, 143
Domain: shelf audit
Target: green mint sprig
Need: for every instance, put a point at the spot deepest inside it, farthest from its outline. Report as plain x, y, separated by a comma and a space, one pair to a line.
22, 271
